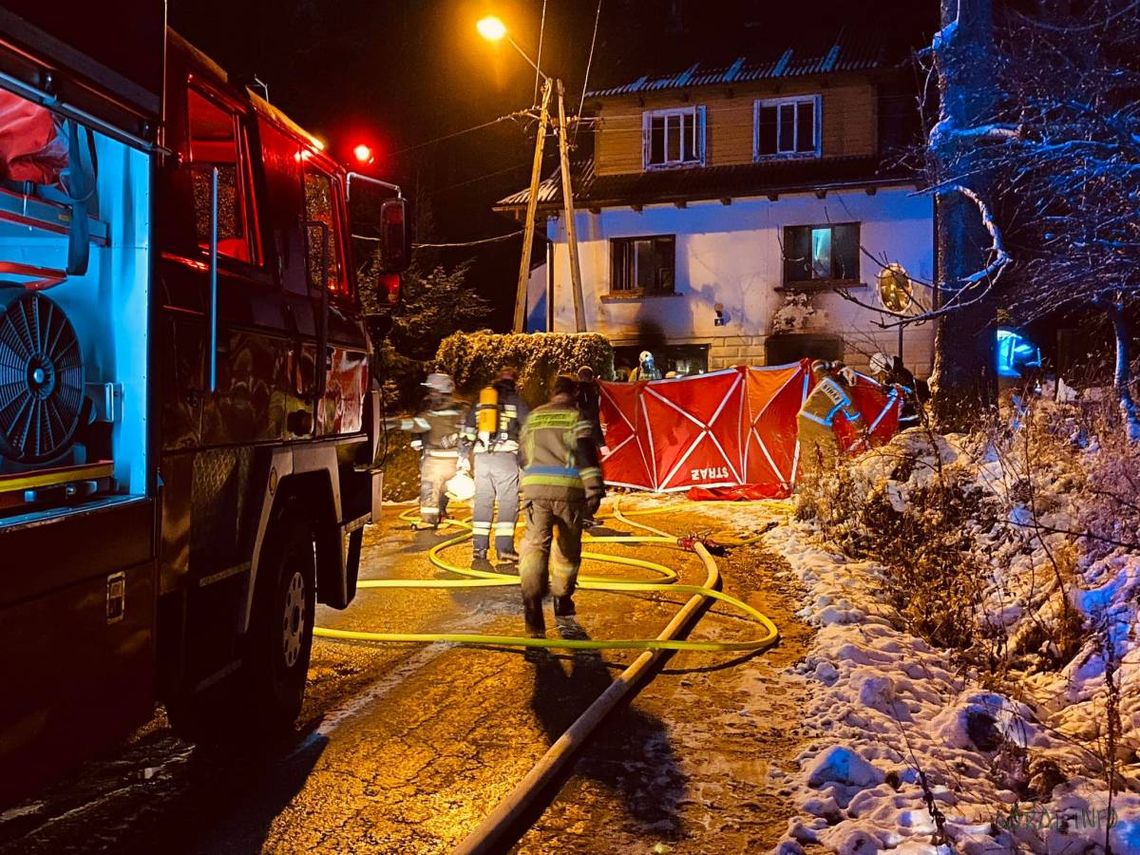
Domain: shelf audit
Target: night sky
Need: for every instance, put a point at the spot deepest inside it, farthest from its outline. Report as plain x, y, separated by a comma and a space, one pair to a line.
398, 73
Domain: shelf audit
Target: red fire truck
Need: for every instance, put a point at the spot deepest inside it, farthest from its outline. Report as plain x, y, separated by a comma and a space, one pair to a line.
189, 431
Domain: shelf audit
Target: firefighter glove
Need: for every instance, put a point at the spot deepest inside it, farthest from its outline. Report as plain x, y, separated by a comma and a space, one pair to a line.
593, 502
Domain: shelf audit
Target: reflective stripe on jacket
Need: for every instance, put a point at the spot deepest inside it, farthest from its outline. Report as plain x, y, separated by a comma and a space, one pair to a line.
827, 399
560, 458
436, 430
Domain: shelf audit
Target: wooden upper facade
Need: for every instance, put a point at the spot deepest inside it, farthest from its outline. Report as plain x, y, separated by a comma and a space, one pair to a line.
727, 123
794, 120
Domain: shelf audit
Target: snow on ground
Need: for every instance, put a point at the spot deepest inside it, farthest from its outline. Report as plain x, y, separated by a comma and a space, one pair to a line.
905, 740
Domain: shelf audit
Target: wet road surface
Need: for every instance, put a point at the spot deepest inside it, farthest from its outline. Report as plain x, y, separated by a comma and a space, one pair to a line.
405, 748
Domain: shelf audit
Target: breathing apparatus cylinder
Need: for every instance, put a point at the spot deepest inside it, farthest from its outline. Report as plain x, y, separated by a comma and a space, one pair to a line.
487, 411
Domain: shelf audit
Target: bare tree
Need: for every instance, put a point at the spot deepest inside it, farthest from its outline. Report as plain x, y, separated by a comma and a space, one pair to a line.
971, 252
964, 381
1059, 144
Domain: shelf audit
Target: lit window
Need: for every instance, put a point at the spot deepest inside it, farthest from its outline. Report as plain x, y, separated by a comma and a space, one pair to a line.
215, 141
787, 127
673, 137
821, 253
644, 265
321, 226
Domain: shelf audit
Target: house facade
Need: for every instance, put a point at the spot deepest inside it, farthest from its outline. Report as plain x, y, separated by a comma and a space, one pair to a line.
744, 213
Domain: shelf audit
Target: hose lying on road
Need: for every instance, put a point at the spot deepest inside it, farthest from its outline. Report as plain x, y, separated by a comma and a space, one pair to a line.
666, 582
514, 813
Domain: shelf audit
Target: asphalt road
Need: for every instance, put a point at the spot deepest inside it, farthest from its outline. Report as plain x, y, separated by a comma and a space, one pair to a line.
405, 748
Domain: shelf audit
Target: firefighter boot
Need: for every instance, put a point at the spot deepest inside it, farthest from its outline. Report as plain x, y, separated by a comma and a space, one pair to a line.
564, 606
532, 614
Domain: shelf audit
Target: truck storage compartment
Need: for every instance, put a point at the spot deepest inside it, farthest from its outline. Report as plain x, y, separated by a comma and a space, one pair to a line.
74, 268
80, 672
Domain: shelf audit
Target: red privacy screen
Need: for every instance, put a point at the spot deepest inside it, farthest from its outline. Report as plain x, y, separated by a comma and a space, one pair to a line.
724, 429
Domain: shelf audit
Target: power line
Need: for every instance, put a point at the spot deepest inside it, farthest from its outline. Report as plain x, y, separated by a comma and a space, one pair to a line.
515, 115
538, 62
589, 63
468, 243
514, 168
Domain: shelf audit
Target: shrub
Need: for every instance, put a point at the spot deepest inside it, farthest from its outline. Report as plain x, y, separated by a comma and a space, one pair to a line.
473, 359
908, 508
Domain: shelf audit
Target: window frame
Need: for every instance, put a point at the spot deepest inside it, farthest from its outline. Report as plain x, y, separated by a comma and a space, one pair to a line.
821, 283
817, 127
635, 292
339, 227
243, 170
697, 111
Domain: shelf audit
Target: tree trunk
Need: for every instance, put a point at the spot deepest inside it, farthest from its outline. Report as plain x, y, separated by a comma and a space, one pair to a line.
964, 380
1122, 375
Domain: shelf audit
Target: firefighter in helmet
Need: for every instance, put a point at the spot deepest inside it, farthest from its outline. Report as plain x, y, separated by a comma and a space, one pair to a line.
491, 437
818, 446
436, 428
646, 368
889, 371
562, 485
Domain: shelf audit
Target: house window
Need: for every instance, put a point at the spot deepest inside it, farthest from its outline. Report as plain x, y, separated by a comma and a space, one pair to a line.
821, 254
643, 265
787, 127
321, 225
673, 137
215, 141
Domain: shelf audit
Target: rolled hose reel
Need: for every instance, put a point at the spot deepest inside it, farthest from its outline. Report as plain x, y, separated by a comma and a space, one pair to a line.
41, 378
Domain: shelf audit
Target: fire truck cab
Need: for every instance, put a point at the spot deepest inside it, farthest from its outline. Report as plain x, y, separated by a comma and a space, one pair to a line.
189, 429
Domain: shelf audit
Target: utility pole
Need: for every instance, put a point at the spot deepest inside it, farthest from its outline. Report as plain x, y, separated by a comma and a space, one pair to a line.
531, 208
568, 209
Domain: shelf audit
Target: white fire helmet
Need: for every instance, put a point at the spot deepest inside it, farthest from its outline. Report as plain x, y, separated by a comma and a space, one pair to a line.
644, 356
460, 487
440, 383
880, 363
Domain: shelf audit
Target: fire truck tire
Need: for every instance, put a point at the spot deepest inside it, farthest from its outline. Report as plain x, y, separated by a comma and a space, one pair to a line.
280, 638
262, 699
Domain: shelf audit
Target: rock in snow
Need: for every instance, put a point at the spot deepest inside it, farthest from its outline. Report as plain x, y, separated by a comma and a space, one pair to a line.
841, 765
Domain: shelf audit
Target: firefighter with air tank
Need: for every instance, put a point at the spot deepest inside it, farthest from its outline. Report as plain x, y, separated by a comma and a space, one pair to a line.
490, 442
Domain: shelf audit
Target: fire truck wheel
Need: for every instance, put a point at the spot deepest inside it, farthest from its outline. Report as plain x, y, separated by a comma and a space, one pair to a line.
262, 699
281, 630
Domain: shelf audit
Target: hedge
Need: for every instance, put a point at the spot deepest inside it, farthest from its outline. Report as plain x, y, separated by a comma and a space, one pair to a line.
473, 359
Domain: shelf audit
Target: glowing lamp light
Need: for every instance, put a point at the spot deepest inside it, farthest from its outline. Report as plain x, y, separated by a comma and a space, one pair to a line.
491, 28
363, 153
318, 144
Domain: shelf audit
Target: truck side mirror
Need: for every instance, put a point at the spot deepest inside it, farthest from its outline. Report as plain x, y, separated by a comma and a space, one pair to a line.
381, 239
395, 247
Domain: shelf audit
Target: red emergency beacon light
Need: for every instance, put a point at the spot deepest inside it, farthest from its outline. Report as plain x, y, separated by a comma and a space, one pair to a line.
364, 154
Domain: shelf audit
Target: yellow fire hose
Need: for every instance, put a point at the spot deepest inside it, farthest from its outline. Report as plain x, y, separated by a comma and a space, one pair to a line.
665, 582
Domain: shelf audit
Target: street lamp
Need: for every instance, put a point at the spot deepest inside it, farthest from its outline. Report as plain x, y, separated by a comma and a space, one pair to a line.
493, 29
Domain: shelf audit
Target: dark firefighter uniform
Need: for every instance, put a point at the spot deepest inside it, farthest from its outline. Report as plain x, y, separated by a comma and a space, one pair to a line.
818, 447
496, 462
436, 431
562, 485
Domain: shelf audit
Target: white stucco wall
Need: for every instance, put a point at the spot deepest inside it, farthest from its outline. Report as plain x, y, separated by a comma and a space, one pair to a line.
730, 254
